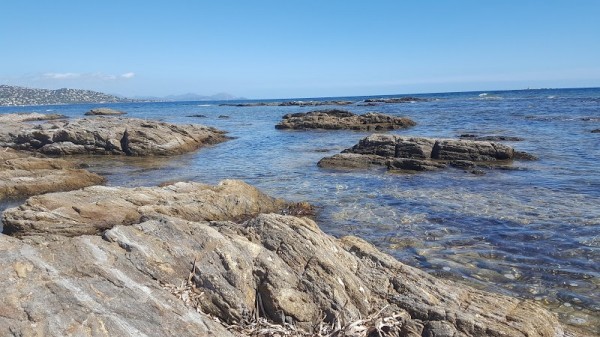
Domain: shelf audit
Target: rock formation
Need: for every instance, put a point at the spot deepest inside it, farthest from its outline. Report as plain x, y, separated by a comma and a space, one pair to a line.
215, 249
288, 103
109, 135
422, 154
341, 119
104, 112
23, 175
396, 100
28, 117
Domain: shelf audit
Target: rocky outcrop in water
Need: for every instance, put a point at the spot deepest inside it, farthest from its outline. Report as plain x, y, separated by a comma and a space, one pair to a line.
396, 100
104, 112
283, 268
341, 119
421, 154
288, 103
109, 135
470, 136
23, 175
596, 131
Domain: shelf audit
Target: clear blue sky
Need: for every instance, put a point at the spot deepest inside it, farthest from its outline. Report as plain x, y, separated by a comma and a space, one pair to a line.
277, 49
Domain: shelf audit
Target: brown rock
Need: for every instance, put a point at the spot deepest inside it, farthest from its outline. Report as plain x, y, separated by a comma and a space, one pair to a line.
97, 208
341, 119
282, 268
111, 135
422, 154
23, 175
104, 112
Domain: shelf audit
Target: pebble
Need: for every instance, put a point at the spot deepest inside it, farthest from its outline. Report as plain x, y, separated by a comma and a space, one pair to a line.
510, 276
446, 268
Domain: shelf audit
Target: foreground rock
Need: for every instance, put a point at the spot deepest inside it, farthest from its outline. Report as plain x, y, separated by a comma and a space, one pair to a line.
422, 154
97, 208
108, 135
341, 119
279, 267
23, 175
288, 103
104, 112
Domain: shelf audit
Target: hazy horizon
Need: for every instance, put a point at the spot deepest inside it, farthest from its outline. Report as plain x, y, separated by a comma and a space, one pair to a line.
269, 49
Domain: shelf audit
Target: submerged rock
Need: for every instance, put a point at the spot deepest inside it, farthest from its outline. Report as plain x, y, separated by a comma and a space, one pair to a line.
288, 103
23, 175
341, 119
490, 138
279, 267
396, 100
110, 135
596, 131
422, 154
104, 112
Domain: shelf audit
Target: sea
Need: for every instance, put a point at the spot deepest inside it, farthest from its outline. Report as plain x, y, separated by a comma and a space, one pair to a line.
532, 232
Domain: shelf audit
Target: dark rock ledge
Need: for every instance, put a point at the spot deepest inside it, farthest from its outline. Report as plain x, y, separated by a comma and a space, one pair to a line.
423, 154
108, 260
340, 119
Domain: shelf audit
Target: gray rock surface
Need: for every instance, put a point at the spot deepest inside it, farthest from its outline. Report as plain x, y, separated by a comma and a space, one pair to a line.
23, 175
422, 154
109, 135
341, 119
104, 112
280, 267
28, 117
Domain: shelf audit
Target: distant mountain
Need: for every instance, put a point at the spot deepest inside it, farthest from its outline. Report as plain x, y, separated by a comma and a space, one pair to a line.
12, 95
195, 97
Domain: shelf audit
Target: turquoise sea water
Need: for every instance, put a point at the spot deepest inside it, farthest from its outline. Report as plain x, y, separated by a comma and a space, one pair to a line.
533, 232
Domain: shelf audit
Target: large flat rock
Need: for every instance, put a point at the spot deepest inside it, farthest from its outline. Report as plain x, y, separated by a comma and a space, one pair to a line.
341, 119
109, 135
23, 174
94, 209
278, 267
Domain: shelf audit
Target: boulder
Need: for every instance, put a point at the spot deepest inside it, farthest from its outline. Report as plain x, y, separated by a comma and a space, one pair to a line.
110, 135
341, 119
104, 112
422, 154
23, 175
276, 267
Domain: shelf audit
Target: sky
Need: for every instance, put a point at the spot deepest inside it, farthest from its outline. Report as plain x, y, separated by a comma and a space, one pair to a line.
284, 49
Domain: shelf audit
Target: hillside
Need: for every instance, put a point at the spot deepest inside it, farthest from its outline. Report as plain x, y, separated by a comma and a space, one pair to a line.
12, 95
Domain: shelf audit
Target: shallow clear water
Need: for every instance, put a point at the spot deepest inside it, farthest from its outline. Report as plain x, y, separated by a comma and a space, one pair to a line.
532, 232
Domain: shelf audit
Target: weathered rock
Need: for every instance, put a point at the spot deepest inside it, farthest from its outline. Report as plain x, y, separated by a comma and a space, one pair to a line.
341, 119
280, 267
396, 100
422, 154
104, 112
491, 138
23, 175
28, 117
86, 286
288, 103
94, 209
110, 135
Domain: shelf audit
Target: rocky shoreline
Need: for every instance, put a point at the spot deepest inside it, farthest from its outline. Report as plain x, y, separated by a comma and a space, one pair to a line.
191, 259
